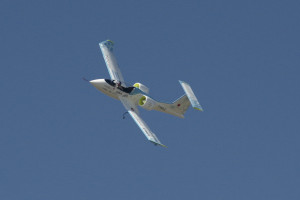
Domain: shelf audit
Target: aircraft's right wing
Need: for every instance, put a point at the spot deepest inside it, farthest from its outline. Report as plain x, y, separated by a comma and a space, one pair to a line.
111, 62
132, 110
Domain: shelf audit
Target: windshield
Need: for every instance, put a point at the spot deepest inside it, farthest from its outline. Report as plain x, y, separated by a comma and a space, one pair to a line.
110, 82
119, 86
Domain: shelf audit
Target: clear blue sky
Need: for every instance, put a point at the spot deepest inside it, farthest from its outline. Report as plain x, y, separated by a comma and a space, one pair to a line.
62, 139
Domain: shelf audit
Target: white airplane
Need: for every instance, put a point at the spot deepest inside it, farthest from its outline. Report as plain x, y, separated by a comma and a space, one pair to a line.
137, 95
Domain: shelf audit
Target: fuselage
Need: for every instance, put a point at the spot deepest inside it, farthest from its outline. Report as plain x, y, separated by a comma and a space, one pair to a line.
137, 97
114, 90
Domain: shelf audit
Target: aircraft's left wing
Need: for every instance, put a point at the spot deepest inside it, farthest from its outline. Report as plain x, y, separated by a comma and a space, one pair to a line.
133, 111
110, 60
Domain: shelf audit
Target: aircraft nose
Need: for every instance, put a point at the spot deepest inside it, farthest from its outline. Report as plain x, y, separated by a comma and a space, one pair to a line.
97, 82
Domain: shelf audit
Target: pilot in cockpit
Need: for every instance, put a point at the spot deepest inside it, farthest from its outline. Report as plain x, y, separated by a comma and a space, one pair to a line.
114, 83
118, 84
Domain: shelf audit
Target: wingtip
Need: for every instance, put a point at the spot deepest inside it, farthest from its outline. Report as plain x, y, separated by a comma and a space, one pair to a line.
200, 109
108, 44
105, 41
162, 145
156, 143
180, 81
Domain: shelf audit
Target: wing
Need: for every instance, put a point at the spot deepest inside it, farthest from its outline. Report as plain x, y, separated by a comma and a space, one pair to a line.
133, 111
110, 60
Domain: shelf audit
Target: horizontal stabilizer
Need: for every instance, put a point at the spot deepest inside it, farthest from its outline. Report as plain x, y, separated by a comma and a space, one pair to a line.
190, 94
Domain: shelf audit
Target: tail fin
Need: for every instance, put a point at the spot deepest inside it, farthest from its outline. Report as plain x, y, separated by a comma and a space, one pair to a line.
179, 107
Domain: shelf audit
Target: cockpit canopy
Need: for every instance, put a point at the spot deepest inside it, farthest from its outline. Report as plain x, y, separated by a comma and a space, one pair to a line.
110, 82
119, 86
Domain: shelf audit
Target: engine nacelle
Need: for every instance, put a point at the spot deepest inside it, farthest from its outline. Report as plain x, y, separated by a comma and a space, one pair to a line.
147, 103
141, 87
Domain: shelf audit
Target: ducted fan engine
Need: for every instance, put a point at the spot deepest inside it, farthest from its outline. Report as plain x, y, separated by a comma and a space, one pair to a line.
147, 103
141, 87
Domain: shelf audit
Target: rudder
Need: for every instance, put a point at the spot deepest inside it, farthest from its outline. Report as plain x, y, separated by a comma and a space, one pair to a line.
181, 105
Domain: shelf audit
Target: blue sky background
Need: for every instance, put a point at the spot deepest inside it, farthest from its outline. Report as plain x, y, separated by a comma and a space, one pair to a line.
62, 139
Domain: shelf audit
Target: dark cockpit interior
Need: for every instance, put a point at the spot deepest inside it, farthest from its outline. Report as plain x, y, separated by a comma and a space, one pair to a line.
119, 86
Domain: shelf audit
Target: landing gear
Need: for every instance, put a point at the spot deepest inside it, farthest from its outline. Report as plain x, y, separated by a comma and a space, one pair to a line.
124, 115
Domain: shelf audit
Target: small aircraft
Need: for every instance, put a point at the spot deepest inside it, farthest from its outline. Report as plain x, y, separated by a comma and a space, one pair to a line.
137, 95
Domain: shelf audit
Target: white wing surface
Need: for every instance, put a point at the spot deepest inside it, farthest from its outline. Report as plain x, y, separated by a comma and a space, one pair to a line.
110, 60
133, 111
190, 94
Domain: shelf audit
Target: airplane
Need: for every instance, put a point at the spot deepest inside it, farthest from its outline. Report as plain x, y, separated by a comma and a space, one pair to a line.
138, 94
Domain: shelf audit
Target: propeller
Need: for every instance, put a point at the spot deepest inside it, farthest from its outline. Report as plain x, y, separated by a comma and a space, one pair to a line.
85, 79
